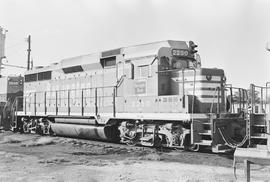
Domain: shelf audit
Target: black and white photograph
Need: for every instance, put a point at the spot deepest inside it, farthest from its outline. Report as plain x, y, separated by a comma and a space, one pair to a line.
134, 90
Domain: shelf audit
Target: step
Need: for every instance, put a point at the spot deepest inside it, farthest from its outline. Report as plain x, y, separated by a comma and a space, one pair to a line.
258, 125
205, 142
259, 118
258, 114
259, 135
206, 132
220, 148
264, 147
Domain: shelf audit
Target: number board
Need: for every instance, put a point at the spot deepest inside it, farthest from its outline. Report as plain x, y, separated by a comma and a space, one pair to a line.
180, 52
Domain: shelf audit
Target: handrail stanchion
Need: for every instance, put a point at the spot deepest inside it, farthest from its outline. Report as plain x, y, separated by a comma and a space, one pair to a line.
114, 107
252, 97
56, 103
45, 102
96, 104
82, 103
69, 102
35, 104
261, 100
240, 99
266, 99
232, 104
183, 89
24, 105
218, 103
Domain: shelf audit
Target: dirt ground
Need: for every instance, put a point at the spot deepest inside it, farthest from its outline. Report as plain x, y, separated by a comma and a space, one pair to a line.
29, 157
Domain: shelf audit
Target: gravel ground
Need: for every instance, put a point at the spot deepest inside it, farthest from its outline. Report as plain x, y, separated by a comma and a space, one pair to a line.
29, 157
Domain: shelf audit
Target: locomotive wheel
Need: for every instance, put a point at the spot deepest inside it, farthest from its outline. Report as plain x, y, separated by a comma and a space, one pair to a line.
13, 128
131, 143
39, 130
194, 147
167, 142
51, 131
25, 128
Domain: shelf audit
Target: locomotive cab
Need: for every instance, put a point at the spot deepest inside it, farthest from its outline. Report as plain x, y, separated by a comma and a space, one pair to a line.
180, 73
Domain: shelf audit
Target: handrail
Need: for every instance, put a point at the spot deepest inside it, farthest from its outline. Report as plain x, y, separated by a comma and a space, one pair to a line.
14, 110
214, 96
243, 99
120, 81
252, 95
266, 99
193, 95
92, 88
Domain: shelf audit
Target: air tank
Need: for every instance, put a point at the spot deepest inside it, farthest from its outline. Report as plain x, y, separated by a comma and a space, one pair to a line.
105, 133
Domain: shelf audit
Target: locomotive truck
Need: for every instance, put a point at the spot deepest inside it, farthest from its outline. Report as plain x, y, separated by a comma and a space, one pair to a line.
154, 94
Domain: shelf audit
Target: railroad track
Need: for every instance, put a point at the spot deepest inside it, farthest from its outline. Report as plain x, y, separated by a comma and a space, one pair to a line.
99, 150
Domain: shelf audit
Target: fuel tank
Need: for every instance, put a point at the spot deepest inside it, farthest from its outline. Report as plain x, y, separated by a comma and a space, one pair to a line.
105, 133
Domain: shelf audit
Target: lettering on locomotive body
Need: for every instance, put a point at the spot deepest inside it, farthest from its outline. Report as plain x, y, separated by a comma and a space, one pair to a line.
13, 83
140, 87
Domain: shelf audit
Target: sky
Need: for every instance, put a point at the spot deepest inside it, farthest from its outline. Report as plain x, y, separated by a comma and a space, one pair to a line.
230, 34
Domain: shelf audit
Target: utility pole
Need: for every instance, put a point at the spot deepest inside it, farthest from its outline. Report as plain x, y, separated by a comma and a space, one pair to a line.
32, 63
29, 51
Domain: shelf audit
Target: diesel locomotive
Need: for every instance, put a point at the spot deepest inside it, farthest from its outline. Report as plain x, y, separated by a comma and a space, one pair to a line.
154, 94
